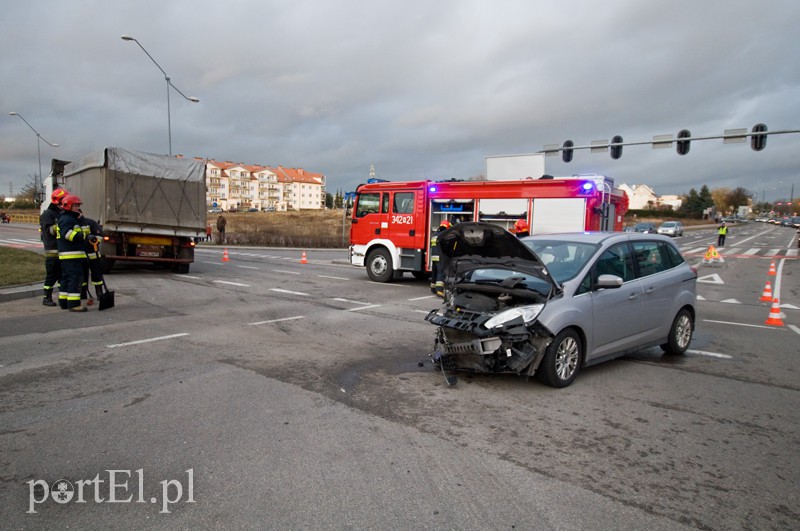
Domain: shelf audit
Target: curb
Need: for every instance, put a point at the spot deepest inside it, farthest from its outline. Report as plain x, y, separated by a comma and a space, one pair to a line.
12, 293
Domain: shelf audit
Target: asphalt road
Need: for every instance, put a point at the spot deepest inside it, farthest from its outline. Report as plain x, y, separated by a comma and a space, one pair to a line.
266, 393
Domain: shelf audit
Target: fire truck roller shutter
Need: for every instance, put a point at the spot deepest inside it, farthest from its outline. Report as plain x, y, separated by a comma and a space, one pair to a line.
558, 215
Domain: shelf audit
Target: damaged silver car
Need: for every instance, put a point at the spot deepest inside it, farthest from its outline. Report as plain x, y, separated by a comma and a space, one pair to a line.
548, 305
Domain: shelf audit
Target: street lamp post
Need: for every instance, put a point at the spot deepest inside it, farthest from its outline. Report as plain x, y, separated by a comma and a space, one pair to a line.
169, 84
38, 180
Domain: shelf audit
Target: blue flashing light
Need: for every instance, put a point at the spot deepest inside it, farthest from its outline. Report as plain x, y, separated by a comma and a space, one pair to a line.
432, 189
587, 187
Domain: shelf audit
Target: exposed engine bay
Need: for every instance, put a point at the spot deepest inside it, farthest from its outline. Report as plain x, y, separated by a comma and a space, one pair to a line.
494, 289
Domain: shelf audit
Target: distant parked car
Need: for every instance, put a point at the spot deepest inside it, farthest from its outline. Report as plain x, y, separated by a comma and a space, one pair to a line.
216, 211
671, 228
646, 227
253, 209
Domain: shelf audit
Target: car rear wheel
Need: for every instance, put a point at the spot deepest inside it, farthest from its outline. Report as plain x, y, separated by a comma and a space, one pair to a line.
379, 266
562, 360
680, 335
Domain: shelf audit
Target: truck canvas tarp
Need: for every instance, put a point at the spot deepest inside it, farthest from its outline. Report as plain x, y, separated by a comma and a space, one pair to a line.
129, 191
151, 207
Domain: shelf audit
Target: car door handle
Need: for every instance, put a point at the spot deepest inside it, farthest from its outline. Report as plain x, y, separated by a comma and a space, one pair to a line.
650, 290
632, 296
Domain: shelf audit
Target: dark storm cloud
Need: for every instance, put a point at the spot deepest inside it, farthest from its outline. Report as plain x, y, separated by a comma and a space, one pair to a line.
419, 89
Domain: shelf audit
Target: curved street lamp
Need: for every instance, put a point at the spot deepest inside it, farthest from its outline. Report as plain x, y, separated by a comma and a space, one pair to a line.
169, 84
37, 181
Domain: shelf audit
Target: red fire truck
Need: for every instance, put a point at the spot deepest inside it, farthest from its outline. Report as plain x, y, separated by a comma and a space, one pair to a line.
393, 221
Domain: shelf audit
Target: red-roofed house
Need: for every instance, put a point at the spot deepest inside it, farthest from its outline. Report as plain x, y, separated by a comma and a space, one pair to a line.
237, 186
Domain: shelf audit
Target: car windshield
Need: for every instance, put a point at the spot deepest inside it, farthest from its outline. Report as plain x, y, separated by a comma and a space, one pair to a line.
667, 224
564, 259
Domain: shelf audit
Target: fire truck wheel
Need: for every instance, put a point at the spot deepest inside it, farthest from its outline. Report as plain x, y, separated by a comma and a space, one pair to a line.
379, 266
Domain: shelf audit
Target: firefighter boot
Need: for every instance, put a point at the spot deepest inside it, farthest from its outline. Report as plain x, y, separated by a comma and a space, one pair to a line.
79, 309
48, 298
62, 302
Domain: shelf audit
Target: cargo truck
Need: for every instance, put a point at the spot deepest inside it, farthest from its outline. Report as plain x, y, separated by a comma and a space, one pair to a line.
152, 208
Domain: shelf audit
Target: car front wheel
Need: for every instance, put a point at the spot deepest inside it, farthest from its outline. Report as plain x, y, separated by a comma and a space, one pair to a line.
562, 360
680, 335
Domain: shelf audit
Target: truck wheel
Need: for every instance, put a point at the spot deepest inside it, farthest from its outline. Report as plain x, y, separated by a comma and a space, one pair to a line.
562, 360
379, 266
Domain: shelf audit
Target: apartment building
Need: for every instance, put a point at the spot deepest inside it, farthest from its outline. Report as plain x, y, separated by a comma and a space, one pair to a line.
237, 186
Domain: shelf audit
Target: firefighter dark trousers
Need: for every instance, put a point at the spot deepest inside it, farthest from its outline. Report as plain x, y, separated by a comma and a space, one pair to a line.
52, 272
71, 281
94, 270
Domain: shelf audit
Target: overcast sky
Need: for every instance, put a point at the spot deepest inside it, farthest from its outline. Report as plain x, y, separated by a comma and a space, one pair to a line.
421, 89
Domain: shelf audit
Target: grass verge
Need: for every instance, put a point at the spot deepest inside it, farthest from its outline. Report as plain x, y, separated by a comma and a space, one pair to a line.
20, 267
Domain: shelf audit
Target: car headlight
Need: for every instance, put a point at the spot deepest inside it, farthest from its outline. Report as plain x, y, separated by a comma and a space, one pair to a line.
528, 314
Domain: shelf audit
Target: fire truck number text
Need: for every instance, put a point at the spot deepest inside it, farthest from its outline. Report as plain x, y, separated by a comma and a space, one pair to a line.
403, 220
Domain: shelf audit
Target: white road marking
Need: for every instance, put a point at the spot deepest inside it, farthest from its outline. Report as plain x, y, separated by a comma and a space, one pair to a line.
139, 342
792, 252
231, 283
290, 292
731, 301
188, 276
334, 278
711, 279
248, 267
741, 324
772, 252
754, 250
213, 263
431, 296
286, 272
363, 308
712, 354
278, 320
795, 329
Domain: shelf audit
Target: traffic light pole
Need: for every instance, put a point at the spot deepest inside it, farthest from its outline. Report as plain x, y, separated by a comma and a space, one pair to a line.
731, 136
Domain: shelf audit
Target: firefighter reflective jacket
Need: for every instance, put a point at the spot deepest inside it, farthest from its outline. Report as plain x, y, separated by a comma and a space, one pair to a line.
71, 237
47, 226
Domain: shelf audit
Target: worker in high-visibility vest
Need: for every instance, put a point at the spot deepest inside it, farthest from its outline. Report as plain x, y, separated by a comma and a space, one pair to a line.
722, 231
437, 273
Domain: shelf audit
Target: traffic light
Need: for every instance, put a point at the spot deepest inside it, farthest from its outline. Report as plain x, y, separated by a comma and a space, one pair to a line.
758, 142
683, 145
616, 151
566, 152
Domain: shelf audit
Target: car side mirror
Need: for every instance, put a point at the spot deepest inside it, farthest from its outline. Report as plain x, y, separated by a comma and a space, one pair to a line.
609, 281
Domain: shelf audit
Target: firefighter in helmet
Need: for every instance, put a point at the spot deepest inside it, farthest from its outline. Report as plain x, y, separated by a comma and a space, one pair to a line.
71, 241
437, 273
521, 228
93, 235
47, 226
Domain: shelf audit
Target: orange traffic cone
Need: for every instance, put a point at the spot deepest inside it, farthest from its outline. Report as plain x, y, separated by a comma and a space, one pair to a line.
772, 271
303, 258
774, 318
225, 255
767, 295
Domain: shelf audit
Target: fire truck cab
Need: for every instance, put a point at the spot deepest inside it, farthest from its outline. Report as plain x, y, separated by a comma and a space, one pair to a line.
392, 222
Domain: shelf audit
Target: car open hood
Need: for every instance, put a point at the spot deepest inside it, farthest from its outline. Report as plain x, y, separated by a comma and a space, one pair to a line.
477, 244
475, 238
